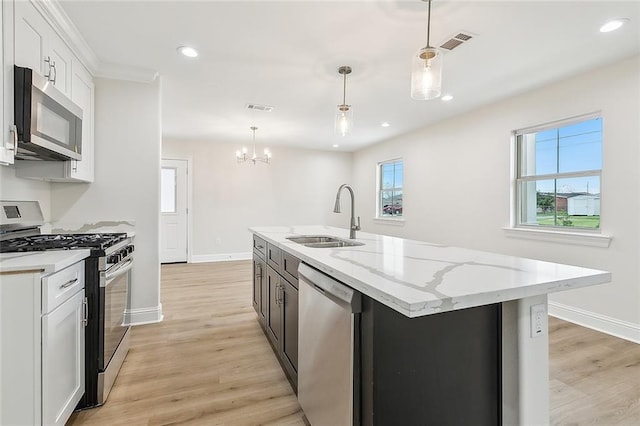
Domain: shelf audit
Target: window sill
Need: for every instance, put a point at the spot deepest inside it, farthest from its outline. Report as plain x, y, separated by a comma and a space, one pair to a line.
389, 221
563, 237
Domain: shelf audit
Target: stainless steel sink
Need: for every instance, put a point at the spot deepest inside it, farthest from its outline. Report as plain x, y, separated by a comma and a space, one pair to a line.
323, 241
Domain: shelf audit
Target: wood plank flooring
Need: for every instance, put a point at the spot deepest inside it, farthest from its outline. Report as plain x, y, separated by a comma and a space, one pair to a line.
208, 363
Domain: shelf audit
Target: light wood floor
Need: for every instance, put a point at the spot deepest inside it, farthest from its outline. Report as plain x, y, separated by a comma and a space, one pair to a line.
208, 363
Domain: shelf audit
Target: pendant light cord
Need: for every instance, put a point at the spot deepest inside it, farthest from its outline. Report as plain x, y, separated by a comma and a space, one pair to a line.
344, 89
254, 128
428, 22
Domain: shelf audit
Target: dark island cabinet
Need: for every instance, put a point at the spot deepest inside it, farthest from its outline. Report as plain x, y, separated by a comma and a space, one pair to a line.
274, 312
440, 369
258, 293
259, 297
275, 300
290, 328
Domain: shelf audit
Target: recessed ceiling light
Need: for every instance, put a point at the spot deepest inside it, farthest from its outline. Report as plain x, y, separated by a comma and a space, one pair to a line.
385, 124
446, 98
188, 51
613, 25
335, 145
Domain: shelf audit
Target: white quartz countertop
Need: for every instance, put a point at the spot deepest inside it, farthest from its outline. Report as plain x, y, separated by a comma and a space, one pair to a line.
47, 262
418, 278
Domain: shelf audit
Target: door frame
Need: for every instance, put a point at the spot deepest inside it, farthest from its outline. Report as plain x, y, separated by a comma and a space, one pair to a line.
189, 160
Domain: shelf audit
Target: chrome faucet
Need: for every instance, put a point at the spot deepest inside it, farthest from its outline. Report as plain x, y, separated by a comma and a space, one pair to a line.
353, 228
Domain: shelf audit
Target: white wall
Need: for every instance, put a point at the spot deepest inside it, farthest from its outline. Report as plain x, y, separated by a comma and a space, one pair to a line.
297, 188
18, 189
457, 185
127, 181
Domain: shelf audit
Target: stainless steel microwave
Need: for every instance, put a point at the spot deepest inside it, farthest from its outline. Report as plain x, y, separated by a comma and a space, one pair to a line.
48, 124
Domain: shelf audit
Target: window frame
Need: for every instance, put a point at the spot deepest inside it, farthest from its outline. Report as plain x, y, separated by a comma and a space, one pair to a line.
517, 158
379, 191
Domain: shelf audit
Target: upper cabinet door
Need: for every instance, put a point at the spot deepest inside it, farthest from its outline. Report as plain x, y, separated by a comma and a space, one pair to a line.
83, 94
39, 47
31, 32
60, 57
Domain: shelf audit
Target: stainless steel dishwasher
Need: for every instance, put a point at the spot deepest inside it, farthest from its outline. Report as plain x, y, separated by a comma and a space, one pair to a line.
328, 349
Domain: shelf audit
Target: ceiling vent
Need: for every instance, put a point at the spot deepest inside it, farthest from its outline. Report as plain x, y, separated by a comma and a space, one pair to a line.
456, 40
258, 107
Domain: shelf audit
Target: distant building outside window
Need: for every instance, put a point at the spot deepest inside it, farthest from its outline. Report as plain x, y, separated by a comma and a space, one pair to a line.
558, 168
390, 188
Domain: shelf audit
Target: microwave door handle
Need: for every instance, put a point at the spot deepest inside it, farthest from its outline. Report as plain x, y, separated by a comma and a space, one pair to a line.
110, 276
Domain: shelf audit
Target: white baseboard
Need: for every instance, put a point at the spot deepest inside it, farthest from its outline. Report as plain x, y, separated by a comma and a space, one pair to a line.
143, 315
198, 258
615, 327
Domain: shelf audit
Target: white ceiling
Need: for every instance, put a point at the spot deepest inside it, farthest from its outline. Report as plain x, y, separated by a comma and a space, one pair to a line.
286, 54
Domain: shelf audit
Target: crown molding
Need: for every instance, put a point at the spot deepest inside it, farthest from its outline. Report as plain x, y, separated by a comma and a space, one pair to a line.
62, 24
55, 15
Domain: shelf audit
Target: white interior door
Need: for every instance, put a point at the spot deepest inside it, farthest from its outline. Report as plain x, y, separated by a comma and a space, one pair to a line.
173, 211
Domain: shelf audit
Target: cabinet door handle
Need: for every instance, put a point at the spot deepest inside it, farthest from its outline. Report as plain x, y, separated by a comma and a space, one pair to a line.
48, 74
85, 312
260, 247
69, 283
259, 270
280, 294
13, 129
55, 72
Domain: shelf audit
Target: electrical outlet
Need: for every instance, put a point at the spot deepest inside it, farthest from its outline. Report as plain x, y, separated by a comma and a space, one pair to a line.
538, 320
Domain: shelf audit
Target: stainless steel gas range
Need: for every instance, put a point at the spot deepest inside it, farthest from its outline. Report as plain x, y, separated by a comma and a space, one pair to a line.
107, 281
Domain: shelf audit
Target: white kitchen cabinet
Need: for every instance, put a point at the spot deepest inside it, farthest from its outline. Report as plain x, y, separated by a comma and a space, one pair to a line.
61, 57
42, 321
83, 94
7, 136
62, 360
39, 47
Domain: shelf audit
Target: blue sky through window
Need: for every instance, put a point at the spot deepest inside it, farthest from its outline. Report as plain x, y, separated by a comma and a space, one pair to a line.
573, 148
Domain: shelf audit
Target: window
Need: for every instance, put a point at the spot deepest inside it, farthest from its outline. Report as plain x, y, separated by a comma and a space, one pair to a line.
558, 174
390, 189
168, 190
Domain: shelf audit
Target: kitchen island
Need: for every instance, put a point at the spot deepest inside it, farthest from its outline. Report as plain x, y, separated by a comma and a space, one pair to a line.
446, 333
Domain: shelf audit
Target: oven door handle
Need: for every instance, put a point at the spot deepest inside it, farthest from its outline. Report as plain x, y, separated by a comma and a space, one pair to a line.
121, 270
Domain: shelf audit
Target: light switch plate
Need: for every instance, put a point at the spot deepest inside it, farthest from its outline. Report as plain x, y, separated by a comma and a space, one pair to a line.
539, 322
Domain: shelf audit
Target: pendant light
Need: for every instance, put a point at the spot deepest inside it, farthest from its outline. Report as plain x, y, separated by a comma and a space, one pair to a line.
426, 70
344, 117
243, 155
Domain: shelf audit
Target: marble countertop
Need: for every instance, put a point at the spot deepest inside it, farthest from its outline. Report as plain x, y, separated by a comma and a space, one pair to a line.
418, 278
47, 262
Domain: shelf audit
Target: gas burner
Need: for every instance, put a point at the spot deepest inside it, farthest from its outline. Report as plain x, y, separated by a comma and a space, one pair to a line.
61, 242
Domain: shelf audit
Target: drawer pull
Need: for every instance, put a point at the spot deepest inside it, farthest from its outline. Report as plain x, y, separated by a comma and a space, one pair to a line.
69, 283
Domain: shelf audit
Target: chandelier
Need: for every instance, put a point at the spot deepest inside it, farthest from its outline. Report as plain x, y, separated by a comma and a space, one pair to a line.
243, 155
426, 70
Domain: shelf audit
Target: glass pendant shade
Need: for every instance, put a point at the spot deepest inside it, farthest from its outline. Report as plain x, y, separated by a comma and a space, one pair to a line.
344, 120
426, 74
